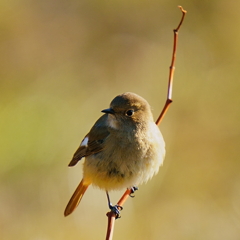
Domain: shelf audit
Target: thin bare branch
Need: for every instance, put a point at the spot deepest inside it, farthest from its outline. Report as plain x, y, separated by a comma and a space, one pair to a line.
172, 69
111, 215
111, 220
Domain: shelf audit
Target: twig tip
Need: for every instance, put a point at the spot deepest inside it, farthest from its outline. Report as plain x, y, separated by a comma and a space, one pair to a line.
181, 8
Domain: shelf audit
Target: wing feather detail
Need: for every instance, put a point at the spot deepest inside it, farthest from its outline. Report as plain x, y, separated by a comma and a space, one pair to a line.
96, 139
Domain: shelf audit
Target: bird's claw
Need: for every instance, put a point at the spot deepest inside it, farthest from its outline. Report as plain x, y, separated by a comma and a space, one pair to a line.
116, 210
133, 189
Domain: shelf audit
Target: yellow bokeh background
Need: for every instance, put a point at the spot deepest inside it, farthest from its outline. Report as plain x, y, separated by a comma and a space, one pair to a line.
62, 62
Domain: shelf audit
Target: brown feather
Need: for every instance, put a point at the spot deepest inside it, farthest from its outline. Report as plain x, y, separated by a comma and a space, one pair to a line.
96, 138
76, 198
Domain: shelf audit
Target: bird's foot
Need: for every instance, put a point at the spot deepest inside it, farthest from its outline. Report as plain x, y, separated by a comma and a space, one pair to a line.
133, 189
116, 210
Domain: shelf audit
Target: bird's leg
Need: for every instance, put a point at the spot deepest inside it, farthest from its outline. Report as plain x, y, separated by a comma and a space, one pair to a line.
116, 209
133, 189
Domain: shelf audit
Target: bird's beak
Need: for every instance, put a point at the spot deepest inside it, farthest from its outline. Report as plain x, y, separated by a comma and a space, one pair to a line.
108, 110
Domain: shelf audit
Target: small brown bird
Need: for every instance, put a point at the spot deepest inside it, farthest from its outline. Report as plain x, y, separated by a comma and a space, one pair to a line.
123, 149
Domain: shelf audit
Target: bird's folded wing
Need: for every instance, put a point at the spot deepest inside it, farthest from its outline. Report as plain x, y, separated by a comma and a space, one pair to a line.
93, 141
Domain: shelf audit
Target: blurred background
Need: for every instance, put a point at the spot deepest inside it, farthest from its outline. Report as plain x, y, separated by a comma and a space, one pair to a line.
62, 62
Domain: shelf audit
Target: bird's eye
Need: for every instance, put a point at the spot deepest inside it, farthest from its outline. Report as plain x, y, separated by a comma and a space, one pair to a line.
129, 113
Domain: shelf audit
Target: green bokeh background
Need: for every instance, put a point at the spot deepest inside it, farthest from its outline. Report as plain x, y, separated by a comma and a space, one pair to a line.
62, 62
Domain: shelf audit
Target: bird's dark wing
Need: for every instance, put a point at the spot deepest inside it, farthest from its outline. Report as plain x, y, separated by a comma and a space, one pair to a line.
93, 141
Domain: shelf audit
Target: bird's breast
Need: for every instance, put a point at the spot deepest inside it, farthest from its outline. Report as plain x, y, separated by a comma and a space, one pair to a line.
127, 159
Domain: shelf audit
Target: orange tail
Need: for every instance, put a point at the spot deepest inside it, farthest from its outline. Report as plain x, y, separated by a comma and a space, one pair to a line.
76, 198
